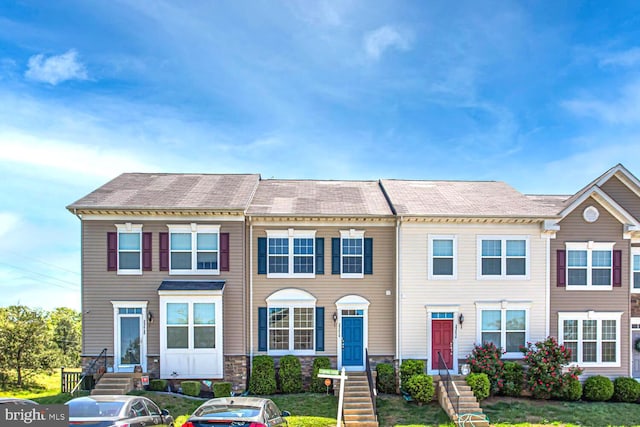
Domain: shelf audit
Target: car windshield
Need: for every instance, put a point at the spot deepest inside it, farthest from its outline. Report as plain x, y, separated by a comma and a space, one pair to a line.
227, 411
91, 408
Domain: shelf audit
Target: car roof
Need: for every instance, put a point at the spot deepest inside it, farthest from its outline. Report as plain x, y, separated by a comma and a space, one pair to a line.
107, 398
240, 400
17, 400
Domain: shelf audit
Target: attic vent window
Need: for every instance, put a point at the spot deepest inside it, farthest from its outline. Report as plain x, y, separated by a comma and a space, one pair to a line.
591, 214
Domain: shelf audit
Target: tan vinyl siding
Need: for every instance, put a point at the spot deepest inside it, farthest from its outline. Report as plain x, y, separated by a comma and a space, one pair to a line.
100, 286
573, 228
623, 196
328, 288
417, 291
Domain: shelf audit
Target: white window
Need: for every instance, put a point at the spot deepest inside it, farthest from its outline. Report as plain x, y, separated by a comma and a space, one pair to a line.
504, 324
442, 257
194, 249
291, 322
191, 325
635, 269
352, 254
291, 329
291, 253
590, 264
505, 257
129, 248
592, 337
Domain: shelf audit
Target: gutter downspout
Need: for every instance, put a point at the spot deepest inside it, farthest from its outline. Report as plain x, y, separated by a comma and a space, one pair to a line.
250, 292
548, 286
398, 294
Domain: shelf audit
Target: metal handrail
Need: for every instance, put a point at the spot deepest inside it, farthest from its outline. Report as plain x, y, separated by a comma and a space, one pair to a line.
372, 389
91, 370
452, 391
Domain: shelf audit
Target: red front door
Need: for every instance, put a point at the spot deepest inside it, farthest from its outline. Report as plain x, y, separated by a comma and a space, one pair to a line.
442, 341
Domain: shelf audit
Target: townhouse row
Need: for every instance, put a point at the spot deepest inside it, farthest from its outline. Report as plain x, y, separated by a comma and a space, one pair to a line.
192, 275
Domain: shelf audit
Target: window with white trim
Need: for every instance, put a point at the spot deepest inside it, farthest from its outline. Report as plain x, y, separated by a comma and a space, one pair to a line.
442, 257
592, 337
506, 326
129, 248
635, 269
503, 257
291, 329
351, 254
191, 325
590, 264
291, 253
194, 249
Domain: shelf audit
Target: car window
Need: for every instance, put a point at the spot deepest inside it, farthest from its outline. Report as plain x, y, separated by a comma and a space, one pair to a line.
272, 411
153, 409
138, 409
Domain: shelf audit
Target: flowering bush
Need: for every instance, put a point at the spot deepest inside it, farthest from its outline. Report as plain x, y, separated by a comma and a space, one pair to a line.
485, 359
545, 359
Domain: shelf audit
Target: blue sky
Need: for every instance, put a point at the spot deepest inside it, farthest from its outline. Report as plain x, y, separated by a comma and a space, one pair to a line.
543, 95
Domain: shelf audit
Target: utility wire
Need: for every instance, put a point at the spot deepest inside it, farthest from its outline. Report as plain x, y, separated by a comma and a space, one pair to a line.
43, 262
75, 285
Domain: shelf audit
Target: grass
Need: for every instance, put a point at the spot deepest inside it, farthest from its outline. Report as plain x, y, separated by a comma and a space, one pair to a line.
38, 386
395, 411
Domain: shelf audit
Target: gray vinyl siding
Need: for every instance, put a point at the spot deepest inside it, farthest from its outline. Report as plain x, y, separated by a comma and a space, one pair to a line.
573, 228
100, 286
328, 288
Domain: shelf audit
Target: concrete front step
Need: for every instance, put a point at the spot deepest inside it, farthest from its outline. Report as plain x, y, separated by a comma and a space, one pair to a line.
361, 424
358, 411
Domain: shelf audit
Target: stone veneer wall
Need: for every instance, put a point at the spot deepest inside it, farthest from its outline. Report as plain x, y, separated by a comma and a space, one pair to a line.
236, 372
635, 305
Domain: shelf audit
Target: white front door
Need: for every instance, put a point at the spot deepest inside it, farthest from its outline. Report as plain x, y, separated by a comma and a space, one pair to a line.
130, 337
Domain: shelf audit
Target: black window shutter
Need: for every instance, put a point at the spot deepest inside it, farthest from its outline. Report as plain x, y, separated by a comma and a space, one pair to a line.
319, 255
368, 255
262, 328
262, 255
319, 328
335, 255
561, 268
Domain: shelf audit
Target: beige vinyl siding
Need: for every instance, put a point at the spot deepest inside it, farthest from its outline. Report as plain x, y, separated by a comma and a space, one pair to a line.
623, 196
417, 291
329, 288
100, 286
573, 228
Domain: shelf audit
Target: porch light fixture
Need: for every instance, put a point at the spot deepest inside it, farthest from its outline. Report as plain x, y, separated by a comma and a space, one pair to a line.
150, 317
335, 317
461, 319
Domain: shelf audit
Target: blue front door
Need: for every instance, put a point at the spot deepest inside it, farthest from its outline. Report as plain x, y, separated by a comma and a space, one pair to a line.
352, 341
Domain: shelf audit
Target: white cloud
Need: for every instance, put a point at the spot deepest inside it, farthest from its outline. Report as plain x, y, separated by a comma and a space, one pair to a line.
8, 222
56, 69
627, 58
378, 41
625, 109
72, 159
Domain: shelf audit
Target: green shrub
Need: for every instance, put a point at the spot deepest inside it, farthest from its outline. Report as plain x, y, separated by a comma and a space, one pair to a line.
385, 378
480, 385
626, 389
485, 359
263, 375
545, 360
191, 388
290, 374
317, 384
409, 368
222, 389
598, 389
572, 389
421, 388
512, 379
158, 385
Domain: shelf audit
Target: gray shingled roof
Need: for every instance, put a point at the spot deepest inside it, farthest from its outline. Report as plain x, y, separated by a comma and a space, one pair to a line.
323, 198
462, 198
191, 285
172, 191
555, 202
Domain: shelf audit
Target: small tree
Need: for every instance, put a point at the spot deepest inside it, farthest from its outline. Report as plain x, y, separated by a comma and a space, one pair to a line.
66, 326
544, 376
25, 342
